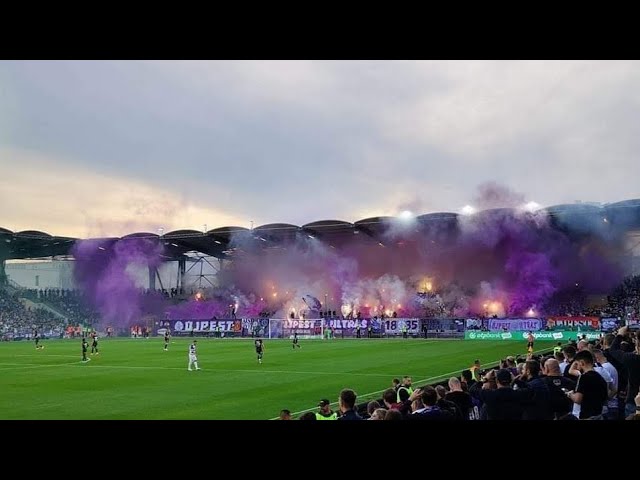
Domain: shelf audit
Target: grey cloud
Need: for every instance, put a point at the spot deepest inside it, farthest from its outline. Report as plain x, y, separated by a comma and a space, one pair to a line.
299, 141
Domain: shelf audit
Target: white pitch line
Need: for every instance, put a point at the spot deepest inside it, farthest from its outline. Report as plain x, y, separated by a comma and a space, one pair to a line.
24, 366
152, 367
43, 355
413, 383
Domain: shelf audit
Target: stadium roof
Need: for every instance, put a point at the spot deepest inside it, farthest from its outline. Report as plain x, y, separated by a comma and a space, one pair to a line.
222, 242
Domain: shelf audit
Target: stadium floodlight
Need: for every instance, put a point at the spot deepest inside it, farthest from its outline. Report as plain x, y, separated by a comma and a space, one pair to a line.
531, 207
406, 215
468, 210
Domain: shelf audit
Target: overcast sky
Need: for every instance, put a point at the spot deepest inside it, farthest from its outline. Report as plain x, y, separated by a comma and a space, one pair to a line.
110, 147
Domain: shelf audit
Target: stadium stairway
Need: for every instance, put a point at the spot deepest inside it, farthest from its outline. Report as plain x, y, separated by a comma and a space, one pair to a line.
42, 305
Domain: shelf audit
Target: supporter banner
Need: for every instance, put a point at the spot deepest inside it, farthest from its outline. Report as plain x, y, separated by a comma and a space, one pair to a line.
558, 336
609, 324
185, 327
449, 324
473, 323
347, 328
566, 323
304, 328
527, 324
395, 325
257, 327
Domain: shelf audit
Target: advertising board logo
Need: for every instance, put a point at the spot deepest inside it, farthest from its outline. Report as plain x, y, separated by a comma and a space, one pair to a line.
179, 326
558, 336
472, 335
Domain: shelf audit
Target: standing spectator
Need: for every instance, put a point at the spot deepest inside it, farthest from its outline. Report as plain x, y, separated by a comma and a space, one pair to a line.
540, 406
447, 405
569, 355
631, 361
431, 410
347, 402
591, 390
558, 384
475, 371
607, 341
390, 399
606, 366
405, 390
325, 412
504, 403
461, 399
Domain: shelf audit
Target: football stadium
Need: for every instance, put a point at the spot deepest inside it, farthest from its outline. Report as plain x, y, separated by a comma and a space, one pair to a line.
476, 315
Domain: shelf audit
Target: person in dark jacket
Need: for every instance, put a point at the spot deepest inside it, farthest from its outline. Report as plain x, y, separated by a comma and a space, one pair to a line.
631, 361
347, 401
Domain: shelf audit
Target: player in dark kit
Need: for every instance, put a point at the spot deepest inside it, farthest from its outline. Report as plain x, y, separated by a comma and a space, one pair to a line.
94, 343
295, 341
167, 337
259, 349
85, 345
36, 337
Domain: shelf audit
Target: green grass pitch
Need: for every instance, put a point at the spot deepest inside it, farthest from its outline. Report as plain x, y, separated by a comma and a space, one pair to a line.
136, 379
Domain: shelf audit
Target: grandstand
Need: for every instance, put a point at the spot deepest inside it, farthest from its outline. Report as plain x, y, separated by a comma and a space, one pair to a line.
32, 300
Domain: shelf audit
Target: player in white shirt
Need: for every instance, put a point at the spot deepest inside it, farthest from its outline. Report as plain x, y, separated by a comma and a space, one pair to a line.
193, 358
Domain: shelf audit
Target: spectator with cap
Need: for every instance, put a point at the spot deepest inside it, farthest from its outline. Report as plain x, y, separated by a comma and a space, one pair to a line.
325, 412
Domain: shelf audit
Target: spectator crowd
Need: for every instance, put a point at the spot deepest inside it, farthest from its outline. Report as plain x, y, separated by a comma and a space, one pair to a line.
585, 380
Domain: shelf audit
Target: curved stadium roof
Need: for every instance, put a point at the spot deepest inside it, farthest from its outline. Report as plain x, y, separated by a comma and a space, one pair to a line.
220, 242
